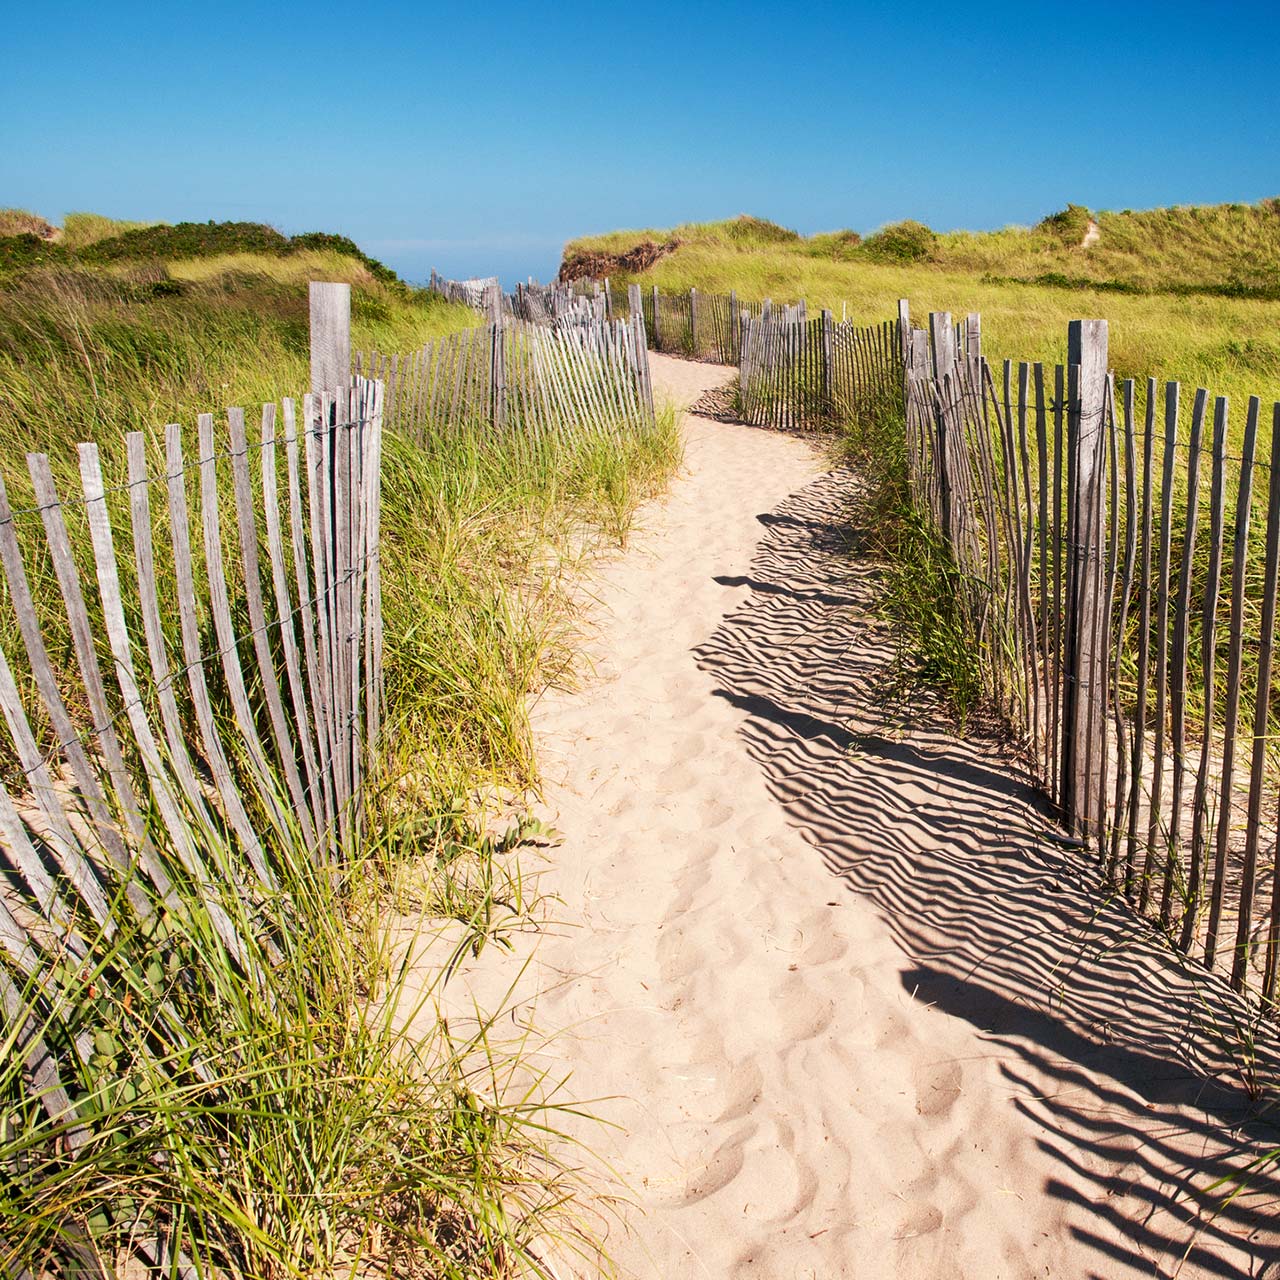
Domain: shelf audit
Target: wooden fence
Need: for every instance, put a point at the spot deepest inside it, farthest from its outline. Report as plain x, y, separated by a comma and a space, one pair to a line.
191, 683
1116, 558
576, 374
701, 325
797, 373
1117, 554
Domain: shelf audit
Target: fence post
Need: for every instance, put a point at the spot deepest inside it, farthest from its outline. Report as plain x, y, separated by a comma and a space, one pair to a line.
656, 343
942, 338
498, 374
973, 336
828, 336
735, 340
1084, 667
904, 329
608, 300
330, 336
693, 322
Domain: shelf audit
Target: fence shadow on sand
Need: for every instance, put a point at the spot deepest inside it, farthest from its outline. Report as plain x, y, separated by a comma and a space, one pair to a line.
1132, 1063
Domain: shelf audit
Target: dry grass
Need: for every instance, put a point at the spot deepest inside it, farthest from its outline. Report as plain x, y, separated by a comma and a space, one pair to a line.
19, 222
1230, 344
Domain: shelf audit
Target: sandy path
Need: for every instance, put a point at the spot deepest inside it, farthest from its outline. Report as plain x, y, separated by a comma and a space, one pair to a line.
813, 946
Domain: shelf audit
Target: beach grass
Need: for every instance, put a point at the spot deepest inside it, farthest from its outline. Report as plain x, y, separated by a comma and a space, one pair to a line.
321, 1137
1191, 294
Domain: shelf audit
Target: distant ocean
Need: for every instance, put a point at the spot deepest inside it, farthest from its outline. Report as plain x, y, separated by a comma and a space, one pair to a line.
414, 261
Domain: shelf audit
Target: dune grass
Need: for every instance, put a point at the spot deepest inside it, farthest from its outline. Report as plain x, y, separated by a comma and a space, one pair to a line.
1170, 282
81, 229
318, 1138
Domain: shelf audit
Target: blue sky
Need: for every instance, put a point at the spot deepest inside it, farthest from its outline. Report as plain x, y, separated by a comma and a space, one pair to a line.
481, 137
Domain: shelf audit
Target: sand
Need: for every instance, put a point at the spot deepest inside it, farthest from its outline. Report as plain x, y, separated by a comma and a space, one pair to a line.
826, 966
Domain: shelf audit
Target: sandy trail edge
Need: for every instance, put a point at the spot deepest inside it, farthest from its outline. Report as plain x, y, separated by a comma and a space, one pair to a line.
823, 961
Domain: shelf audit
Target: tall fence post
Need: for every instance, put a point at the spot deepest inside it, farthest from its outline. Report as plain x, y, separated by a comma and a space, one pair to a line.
735, 339
943, 341
1084, 667
915, 377
693, 322
973, 337
330, 336
904, 329
828, 343
608, 300
656, 342
498, 374
497, 358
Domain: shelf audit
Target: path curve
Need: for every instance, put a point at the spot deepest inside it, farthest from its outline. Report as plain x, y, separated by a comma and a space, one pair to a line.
774, 887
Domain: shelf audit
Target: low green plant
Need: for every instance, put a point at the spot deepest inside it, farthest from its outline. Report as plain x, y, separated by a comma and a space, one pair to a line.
922, 587
1069, 225
907, 241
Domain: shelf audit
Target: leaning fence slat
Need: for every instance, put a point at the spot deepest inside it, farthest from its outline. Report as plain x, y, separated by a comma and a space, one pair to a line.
1208, 656
1235, 654
298, 531
47, 684
194, 659
1173, 870
224, 629
1124, 757
285, 617
1261, 716
153, 628
242, 490
1162, 640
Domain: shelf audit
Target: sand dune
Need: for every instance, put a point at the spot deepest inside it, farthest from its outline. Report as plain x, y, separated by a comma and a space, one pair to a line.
833, 972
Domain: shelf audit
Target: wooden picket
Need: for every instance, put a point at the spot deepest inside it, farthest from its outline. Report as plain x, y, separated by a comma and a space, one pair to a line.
1123, 610
168, 713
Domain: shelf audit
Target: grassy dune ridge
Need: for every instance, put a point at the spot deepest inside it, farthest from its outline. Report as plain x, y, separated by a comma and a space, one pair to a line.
321, 1140
1191, 293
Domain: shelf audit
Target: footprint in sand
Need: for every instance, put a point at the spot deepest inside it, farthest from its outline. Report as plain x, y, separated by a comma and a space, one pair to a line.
938, 1088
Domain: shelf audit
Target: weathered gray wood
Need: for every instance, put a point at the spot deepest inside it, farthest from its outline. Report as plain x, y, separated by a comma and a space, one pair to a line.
224, 628
153, 629
1235, 655
1123, 735
1137, 743
246, 522
1261, 717
330, 335
973, 335
1031, 643
298, 532
942, 343
286, 622
112, 600
1173, 870
1087, 351
1162, 641
193, 658
69, 857
1208, 656
69, 742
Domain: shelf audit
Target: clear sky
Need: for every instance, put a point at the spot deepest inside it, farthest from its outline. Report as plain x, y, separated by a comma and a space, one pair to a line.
479, 137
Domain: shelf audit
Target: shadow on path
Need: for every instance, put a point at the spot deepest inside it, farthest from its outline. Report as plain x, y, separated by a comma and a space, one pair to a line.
1126, 1059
